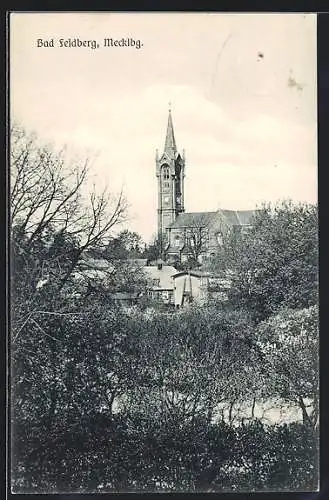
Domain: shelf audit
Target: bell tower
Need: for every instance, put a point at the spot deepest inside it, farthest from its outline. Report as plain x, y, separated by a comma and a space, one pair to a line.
170, 172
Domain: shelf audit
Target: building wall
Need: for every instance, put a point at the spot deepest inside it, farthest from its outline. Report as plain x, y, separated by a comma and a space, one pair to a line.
193, 286
179, 241
217, 230
213, 236
164, 296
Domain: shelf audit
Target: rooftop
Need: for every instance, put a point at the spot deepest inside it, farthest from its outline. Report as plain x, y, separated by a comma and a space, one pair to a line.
193, 219
164, 275
203, 219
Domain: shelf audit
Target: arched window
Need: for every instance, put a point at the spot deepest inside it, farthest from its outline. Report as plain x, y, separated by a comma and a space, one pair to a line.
177, 241
166, 172
219, 238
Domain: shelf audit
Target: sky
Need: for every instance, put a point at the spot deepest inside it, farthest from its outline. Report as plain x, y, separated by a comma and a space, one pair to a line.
242, 89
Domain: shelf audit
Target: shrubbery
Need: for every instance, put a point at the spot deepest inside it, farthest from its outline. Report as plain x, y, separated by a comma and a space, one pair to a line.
137, 454
105, 399
130, 400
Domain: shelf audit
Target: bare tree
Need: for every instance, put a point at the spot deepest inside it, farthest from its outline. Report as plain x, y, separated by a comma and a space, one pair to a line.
54, 222
47, 198
197, 238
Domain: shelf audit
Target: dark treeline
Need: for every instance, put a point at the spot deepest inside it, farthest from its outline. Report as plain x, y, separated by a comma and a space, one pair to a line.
109, 399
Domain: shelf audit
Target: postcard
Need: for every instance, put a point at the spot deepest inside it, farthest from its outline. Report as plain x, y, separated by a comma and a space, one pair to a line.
164, 252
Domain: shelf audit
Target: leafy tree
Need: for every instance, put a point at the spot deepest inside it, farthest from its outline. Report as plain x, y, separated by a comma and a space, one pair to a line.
135, 409
127, 245
152, 251
183, 358
289, 343
276, 262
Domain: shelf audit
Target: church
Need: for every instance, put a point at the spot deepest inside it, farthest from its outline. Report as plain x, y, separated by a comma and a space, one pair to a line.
185, 236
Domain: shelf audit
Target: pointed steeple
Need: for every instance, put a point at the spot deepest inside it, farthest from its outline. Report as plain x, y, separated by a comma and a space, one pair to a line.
170, 173
170, 144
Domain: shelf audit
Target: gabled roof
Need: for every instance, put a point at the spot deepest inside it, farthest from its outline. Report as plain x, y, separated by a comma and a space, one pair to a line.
195, 273
165, 157
164, 275
230, 217
203, 219
193, 219
237, 217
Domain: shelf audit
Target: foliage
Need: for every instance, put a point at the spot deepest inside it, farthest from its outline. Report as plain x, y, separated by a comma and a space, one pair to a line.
276, 262
128, 402
153, 251
106, 398
189, 263
53, 225
289, 343
126, 245
143, 456
183, 356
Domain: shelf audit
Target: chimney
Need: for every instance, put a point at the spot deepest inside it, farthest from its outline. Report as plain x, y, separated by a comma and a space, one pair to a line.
160, 264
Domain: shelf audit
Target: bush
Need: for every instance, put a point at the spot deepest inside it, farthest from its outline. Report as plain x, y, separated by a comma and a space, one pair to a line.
139, 454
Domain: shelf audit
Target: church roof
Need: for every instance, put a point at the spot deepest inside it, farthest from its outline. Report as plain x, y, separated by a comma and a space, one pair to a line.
202, 219
193, 219
170, 143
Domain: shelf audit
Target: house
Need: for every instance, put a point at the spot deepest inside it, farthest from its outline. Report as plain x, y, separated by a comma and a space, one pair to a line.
161, 283
190, 286
194, 286
92, 272
154, 279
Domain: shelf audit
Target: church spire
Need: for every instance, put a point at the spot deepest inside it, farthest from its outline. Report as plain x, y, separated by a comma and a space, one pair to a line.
170, 144
170, 174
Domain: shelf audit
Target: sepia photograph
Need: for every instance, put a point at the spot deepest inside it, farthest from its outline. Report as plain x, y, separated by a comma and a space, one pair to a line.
164, 314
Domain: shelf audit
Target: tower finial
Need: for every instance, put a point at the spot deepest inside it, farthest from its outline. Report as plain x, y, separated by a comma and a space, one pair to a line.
170, 144
169, 106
